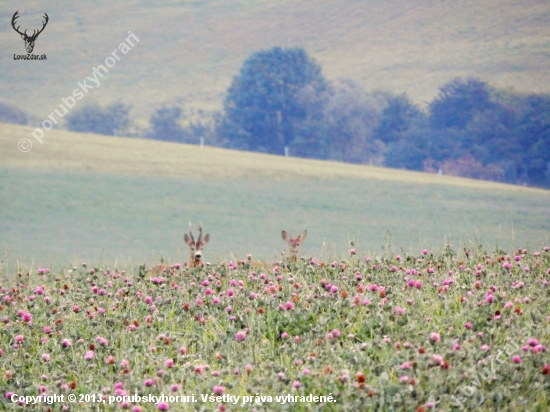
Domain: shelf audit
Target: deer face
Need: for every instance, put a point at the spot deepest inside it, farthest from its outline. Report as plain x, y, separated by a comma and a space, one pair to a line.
196, 246
29, 40
294, 244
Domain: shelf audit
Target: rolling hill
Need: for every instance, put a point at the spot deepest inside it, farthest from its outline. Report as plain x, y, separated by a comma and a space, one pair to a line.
191, 50
82, 196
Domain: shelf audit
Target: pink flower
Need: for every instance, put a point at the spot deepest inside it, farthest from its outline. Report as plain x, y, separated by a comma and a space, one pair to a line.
240, 336
468, 325
183, 350
336, 333
289, 305
434, 337
102, 341
516, 359
89, 355
405, 365
46, 357
485, 348
297, 384
163, 406
19, 339
404, 379
219, 390
169, 363
148, 382
539, 348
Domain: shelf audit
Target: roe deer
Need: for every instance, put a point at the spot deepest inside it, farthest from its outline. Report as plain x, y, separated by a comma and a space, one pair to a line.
294, 244
196, 247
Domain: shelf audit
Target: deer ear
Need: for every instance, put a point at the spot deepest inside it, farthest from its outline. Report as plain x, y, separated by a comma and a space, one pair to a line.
205, 240
187, 240
285, 236
303, 235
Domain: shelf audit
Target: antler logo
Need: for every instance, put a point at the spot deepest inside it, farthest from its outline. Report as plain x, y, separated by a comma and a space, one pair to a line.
29, 40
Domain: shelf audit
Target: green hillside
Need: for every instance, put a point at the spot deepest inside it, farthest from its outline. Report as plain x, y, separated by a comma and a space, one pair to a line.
191, 50
84, 196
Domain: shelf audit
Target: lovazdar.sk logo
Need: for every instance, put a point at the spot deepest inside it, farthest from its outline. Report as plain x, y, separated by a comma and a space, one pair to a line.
29, 39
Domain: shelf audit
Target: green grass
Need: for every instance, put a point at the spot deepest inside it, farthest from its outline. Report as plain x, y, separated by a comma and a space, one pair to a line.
192, 50
84, 197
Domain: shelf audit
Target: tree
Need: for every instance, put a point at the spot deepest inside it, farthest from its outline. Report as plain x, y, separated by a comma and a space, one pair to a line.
396, 118
534, 132
350, 118
457, 103
12, 114
112, 120
164, 124
264, 110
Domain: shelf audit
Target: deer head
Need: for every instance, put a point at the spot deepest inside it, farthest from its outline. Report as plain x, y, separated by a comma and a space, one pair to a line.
196, 246
294, 244
29, 40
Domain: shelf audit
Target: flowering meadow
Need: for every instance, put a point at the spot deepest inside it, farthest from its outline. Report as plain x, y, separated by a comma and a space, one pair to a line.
446, 331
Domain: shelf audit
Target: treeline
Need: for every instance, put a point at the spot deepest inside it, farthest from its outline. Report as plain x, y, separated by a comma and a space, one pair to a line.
281, 103
280, 99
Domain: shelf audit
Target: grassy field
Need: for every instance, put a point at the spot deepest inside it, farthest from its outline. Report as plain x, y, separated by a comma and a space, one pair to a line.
412, 332
192, 50
84, 197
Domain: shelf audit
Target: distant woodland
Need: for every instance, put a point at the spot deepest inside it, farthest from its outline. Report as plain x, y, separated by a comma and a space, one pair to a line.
280, 102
